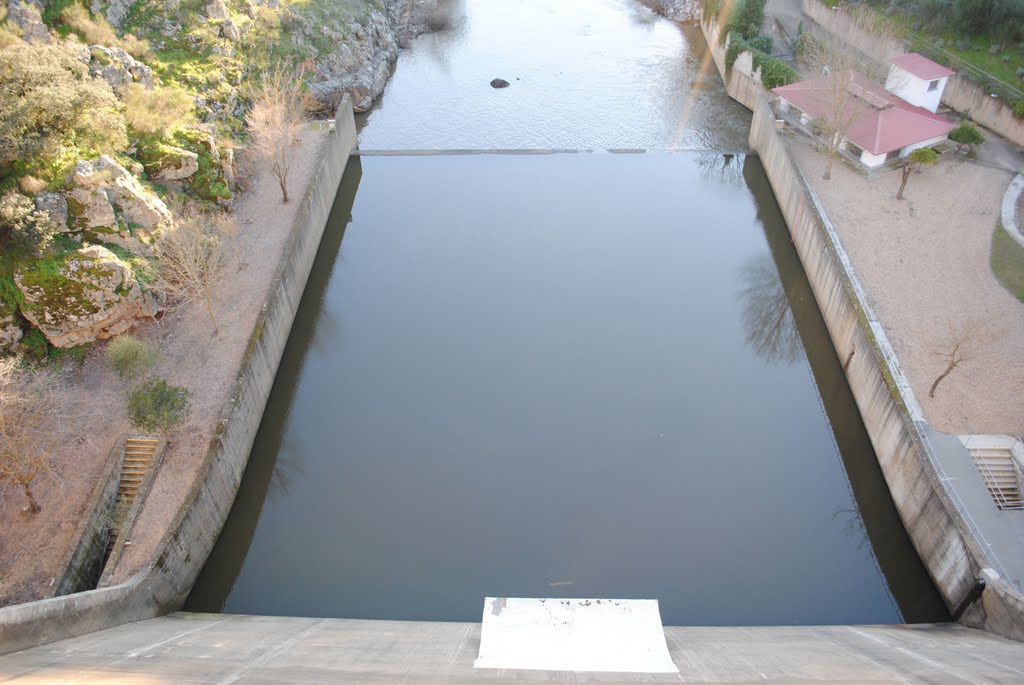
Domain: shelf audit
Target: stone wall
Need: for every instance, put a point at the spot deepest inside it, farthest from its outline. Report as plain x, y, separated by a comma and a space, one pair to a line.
164, 585
961, 94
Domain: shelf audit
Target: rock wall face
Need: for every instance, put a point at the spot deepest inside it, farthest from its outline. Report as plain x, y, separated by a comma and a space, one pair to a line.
361, 63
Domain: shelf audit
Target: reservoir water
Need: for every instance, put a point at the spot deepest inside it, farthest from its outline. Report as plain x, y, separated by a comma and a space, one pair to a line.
585, 374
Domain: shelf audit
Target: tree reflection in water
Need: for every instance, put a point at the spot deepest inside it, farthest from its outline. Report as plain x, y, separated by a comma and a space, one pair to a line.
767, 319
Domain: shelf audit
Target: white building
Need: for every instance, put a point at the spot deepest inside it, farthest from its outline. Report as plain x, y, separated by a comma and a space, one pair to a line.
880, 124
918, 80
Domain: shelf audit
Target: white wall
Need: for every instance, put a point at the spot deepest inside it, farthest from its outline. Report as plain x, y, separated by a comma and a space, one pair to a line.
924, 143
914, 89
870, 160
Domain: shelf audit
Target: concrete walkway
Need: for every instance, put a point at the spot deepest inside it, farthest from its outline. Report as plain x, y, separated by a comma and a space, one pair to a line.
212, 648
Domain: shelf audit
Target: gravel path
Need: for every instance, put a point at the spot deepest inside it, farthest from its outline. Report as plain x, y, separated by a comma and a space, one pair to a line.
32, 548
925, 264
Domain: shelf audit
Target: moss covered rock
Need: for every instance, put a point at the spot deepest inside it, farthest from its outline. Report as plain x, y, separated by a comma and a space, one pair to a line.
168, 163
86, 295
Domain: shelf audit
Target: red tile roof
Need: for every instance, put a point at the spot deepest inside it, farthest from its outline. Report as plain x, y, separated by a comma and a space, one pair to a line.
879, 121
921, 66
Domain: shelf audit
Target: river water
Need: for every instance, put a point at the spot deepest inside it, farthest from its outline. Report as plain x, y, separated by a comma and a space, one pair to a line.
585, 374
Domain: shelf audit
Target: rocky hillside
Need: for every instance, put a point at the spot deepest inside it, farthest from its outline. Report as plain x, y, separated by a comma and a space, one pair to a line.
112, 113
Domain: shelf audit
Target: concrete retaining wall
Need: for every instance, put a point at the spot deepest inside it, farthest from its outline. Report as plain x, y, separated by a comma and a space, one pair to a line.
1008, 211
960, 94
742, 82
93, 532
164, 585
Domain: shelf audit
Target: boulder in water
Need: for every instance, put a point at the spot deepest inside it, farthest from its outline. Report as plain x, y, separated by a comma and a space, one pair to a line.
499, 83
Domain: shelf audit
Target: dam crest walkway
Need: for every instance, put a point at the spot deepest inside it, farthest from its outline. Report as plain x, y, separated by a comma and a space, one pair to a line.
217, 648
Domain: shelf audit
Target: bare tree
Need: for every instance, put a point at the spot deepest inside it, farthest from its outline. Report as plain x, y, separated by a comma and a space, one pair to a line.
963, 343
26, 438
847, 77
191, 258
279, 104
921, 157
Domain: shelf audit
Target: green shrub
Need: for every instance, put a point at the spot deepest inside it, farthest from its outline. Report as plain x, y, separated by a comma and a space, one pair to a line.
131, 357
966, 133
763, 43
96, 30
1018, 109
746, 18
736, 46
35, 344
49, 104
154, 112
25, 229
774, 72
157, 406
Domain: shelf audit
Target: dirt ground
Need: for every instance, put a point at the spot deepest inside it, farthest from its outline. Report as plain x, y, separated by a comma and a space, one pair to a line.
33, 548
925, 264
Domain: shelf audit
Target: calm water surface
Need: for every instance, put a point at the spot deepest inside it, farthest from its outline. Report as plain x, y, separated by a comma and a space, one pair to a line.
584, 74
554, 375
578, 375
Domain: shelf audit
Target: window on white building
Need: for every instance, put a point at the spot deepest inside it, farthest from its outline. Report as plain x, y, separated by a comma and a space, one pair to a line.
933, 85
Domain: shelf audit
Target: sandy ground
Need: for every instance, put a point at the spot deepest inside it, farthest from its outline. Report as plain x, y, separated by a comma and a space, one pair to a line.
925, 264
33, 548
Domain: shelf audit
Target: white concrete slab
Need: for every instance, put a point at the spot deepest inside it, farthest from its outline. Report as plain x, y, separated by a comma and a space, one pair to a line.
597, 635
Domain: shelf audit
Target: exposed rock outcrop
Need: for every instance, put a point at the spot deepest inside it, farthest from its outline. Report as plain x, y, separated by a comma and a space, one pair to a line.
27, 18
217, 10
364, 53
117, 67
108, 204
230, 30
93, 295
116, 12
676, 10
56, 206
176, 164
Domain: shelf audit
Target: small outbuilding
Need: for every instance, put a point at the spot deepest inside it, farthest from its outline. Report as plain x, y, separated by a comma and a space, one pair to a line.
918, 80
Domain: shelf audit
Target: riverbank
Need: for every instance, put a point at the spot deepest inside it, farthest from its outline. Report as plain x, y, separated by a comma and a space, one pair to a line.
944, 531
185, 535
194, 357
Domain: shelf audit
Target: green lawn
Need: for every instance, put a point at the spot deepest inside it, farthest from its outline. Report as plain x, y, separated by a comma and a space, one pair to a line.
1008, 262
1003, 65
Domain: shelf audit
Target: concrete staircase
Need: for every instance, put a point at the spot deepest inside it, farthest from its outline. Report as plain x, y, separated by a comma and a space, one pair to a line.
139, 455
995, 460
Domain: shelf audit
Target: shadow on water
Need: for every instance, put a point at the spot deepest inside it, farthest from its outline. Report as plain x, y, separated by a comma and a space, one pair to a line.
780, 314
270, 469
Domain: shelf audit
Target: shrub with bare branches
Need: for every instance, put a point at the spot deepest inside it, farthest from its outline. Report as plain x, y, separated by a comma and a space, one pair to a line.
40, 420
279, 105
191, 258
